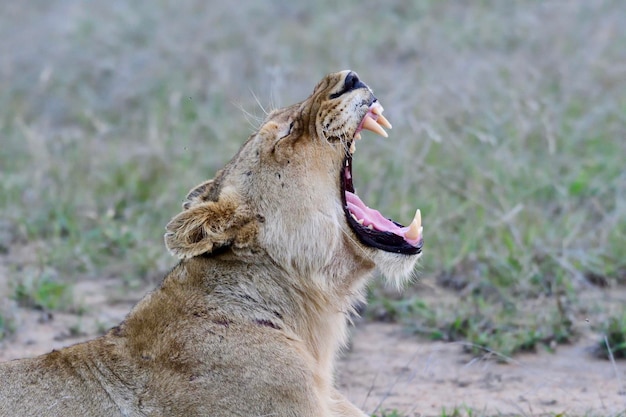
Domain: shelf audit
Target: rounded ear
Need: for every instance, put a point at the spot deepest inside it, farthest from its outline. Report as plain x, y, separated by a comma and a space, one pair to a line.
206, 226
203, 192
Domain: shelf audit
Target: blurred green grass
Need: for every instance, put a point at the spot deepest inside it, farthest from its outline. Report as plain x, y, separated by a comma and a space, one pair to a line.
509, 133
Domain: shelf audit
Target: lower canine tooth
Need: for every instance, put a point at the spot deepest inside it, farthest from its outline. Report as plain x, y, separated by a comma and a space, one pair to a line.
414, 231
352, 147
415, 228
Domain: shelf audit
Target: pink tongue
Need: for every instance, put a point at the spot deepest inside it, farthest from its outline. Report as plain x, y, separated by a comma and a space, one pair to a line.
373, 217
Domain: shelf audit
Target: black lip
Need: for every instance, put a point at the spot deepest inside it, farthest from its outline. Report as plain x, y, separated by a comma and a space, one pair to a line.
387, 241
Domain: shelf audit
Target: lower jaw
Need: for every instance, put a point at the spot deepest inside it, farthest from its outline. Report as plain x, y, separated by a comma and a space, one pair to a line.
385, 241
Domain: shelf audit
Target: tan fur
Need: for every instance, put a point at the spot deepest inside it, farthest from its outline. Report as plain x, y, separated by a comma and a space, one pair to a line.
250, 321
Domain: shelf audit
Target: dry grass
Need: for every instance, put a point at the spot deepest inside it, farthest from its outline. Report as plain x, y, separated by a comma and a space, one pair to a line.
509, 126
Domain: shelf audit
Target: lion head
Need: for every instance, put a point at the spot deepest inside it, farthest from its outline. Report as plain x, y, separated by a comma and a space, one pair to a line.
288, 195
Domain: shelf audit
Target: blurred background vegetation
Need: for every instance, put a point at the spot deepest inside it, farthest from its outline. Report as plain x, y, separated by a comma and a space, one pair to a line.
509, 133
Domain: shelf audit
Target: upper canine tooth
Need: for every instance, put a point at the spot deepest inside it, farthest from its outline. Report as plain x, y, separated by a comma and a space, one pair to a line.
383, 121
371, 125
357, 136
377, 108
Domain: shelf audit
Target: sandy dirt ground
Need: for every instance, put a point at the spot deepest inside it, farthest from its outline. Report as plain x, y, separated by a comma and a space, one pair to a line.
385, 369
388, 370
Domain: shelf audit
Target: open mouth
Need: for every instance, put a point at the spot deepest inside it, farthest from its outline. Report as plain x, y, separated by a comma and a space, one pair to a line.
371, 227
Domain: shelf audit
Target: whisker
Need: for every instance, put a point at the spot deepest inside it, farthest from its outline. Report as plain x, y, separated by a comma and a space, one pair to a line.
256, 98
253, 120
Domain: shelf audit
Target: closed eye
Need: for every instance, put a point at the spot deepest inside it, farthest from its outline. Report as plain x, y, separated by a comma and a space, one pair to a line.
288, 131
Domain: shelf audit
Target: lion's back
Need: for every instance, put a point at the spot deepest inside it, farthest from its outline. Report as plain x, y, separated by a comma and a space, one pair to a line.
41, 387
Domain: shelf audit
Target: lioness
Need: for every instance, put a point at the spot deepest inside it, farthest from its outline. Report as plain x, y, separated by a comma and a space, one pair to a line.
274, 253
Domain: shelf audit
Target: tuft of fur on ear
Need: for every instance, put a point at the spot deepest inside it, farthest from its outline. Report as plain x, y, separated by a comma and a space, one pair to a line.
201, 193
205, 226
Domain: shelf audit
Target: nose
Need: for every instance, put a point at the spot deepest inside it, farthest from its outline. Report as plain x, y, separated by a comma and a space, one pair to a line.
352, 82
